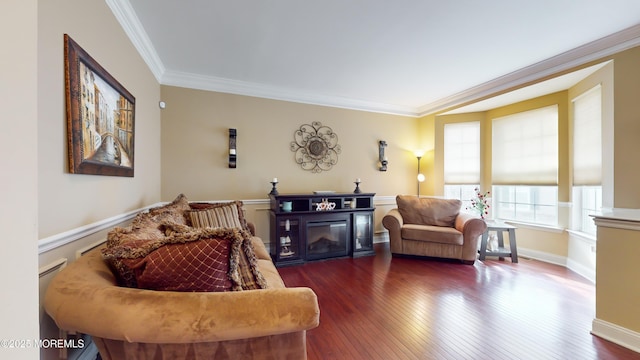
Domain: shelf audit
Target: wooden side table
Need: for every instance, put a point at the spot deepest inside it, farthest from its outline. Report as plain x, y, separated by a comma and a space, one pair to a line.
501, 252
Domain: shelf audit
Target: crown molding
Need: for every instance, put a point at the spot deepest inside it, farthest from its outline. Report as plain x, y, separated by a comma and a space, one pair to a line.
126, 16
212, 83
595, 50
568, 60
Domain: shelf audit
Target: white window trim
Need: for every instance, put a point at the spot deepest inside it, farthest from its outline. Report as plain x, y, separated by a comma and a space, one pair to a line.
532, 226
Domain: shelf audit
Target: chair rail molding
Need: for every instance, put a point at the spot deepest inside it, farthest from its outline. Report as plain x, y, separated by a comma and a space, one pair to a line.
64, 238
67, 237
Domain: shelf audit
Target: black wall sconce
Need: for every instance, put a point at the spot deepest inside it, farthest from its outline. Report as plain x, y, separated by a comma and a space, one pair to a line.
232, 148
383, 159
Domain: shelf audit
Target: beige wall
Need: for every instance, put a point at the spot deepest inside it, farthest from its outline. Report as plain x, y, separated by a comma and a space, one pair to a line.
426, 142
195, 128
195, 139
627, 129
65, 200
618, 289
18, 177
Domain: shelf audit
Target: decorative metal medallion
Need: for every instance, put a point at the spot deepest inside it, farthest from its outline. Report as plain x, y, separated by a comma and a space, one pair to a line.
316, 147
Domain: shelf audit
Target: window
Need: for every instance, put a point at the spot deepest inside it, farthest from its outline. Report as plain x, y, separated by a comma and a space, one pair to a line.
532, 204
587, 159
461, 160
587, 200
525, 166
461, 192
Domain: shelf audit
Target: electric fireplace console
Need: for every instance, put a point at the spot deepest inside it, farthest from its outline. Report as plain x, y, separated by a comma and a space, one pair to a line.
322, 225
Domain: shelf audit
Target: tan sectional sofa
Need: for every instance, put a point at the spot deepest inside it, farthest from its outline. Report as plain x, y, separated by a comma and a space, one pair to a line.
133, 323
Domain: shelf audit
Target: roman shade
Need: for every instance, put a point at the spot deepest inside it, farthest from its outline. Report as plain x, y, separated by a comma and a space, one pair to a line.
462, 153
587, 138
525, 148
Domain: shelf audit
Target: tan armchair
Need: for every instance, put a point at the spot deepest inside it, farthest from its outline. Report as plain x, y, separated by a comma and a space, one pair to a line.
433, 227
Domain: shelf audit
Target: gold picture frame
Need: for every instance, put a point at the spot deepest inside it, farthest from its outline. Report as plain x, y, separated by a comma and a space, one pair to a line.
100, 117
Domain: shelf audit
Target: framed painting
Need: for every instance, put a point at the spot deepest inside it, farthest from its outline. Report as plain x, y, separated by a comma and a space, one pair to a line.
100, 117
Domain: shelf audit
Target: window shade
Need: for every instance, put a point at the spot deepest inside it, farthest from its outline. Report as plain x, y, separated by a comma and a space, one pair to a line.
587, 139
462, 153
525, 148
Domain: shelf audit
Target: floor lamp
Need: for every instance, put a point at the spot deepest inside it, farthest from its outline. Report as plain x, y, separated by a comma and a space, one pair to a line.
421, 177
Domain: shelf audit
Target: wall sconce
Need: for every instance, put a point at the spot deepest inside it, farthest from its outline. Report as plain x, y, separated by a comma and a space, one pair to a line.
232, 148
383, 159
421, 177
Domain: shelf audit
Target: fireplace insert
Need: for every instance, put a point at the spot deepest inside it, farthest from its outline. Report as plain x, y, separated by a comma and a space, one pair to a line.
326, 239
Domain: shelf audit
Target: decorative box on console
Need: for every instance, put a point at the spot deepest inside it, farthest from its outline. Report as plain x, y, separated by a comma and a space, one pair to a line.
307, 227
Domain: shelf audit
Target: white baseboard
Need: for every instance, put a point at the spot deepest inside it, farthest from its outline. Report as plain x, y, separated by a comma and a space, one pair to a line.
584, 271
616, 334
80, 252
542, 256
381, 237
580, 269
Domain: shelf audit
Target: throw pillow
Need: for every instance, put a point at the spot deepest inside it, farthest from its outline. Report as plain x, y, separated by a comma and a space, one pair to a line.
179, 204
224, 215
201, 265
428, 211
144, 227
250, 276
231, 215
173, 211
186, 260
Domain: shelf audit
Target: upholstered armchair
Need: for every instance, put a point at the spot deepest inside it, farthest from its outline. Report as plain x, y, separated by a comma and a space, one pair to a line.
433, 227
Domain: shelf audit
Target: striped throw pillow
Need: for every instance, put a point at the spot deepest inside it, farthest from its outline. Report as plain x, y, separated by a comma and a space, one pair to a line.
217, 215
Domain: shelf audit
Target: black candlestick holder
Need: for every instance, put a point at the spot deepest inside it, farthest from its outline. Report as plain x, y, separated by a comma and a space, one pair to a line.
274, 191
357, 190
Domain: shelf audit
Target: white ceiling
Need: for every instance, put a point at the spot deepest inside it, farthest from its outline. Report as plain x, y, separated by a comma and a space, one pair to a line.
408, 57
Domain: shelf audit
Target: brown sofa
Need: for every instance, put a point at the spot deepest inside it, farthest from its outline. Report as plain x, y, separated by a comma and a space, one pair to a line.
433, 227
133, 323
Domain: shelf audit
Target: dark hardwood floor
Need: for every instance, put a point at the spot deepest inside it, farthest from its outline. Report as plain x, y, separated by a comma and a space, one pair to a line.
387, 307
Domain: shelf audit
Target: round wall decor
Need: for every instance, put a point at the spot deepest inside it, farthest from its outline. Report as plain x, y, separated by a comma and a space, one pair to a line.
316, 147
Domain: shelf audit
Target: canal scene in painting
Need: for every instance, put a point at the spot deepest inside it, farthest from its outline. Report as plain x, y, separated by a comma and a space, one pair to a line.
107, 121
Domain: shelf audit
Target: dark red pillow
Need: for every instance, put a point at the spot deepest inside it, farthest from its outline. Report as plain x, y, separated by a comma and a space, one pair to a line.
201, 265
186, 259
